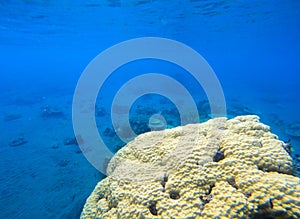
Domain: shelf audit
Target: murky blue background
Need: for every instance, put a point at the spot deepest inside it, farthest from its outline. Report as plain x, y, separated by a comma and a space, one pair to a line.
253, 47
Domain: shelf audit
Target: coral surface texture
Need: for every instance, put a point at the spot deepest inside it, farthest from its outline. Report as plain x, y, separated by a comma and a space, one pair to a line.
218, 169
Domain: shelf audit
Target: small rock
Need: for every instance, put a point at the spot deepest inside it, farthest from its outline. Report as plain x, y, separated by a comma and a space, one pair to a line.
51, 112
78, 151
18, 142
11, 117
108, 132
63, 163
55, 146
100, 111
70, 141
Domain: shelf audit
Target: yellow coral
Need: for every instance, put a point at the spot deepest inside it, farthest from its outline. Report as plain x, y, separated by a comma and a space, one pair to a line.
175, 174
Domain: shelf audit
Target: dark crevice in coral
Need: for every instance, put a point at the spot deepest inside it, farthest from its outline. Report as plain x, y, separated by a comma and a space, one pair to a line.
164, 181
165, 177
174, 194
208, 196
152, 207
100, 196
265, 211
247, 194
210, 189
267, 205
113, 203
205, 198
271, 203
218, 156
263, 168
261, 216
287, 146
232, 182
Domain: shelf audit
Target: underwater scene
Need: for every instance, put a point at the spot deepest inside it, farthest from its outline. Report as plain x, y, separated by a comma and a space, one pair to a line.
150, 109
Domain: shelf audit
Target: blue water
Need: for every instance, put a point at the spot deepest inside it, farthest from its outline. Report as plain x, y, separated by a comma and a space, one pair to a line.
253, 47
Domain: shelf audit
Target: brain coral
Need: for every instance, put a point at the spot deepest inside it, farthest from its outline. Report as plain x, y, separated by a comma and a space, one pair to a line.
218, 169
